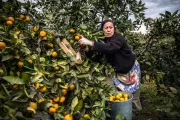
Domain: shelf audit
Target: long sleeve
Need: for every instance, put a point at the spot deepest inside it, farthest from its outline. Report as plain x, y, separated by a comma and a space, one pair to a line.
110, 47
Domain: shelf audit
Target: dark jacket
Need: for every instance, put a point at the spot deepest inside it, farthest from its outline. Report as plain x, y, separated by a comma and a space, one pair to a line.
118, 52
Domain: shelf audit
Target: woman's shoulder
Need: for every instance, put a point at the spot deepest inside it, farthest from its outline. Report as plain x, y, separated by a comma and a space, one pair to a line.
118, 36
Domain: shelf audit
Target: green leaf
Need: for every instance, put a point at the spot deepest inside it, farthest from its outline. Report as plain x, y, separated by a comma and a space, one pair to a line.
78, 106
14, 80
6, 57
74, 103
83, 26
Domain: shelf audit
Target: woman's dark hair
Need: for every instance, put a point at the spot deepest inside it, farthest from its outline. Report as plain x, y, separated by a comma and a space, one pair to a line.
105, 21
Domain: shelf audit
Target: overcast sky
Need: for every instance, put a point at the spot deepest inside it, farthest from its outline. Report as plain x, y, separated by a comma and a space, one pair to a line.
160, 6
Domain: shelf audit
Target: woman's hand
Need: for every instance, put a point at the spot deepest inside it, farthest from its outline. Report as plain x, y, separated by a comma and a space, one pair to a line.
85, 41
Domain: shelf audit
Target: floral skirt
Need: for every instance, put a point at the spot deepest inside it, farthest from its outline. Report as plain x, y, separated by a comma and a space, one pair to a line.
129, 82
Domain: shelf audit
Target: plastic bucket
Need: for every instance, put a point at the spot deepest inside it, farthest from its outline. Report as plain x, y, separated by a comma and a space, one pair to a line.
124, 107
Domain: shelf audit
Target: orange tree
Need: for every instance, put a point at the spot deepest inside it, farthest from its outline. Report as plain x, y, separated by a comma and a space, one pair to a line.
38, 80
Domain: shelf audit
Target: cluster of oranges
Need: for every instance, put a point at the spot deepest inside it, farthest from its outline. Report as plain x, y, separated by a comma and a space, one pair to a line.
119, 97
56, 100
76, 37
10, 21
24, 18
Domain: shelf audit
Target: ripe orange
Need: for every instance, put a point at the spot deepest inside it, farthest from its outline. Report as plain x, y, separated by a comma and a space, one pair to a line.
37, 85
35, 28
50, 45
41, 100
56, 68
52, 110
2, 45
66, 86
9, 22
33, 105
111, 98
15, 86
44, 38
56, 99
50, 101
21, 17
125, 95
10, 19
77, 37
72, 87
30, 61
68, 117
62, 99
43, 89
42, 33
54, 54
72, 30
64, 91
42, 73
20, 64
27, 19
56, 106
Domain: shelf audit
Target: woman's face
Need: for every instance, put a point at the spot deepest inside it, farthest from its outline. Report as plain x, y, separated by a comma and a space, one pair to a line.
108, 29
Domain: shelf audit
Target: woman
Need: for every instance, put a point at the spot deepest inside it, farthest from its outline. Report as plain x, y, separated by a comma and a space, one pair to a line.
122, 58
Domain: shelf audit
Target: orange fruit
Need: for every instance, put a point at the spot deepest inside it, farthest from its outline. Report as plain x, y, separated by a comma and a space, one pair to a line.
125, 98
56, 106
21, 17
77, 37
71, 41
66, 86
54, 54
68, 117
56, 99
125, 95
44, 38
50, 45
2, 45
10, 19
41, 100
111, 98
121, 99
42, 73
52, 110
15, 86
117, 97
72, 87
86, 116
43, 89
37, 85
64, 91
33, 105
65, 113
119, 94
56, 68
20, 64
72, 30
27, 19
35, 28
50, 101
62, 99
42, 33
30, 61
9, 22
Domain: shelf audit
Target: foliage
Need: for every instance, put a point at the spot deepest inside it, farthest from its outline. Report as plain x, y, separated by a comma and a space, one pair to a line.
36, 74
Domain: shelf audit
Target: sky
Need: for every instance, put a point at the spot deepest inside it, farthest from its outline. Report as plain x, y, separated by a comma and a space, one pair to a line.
160, 6
155, 7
